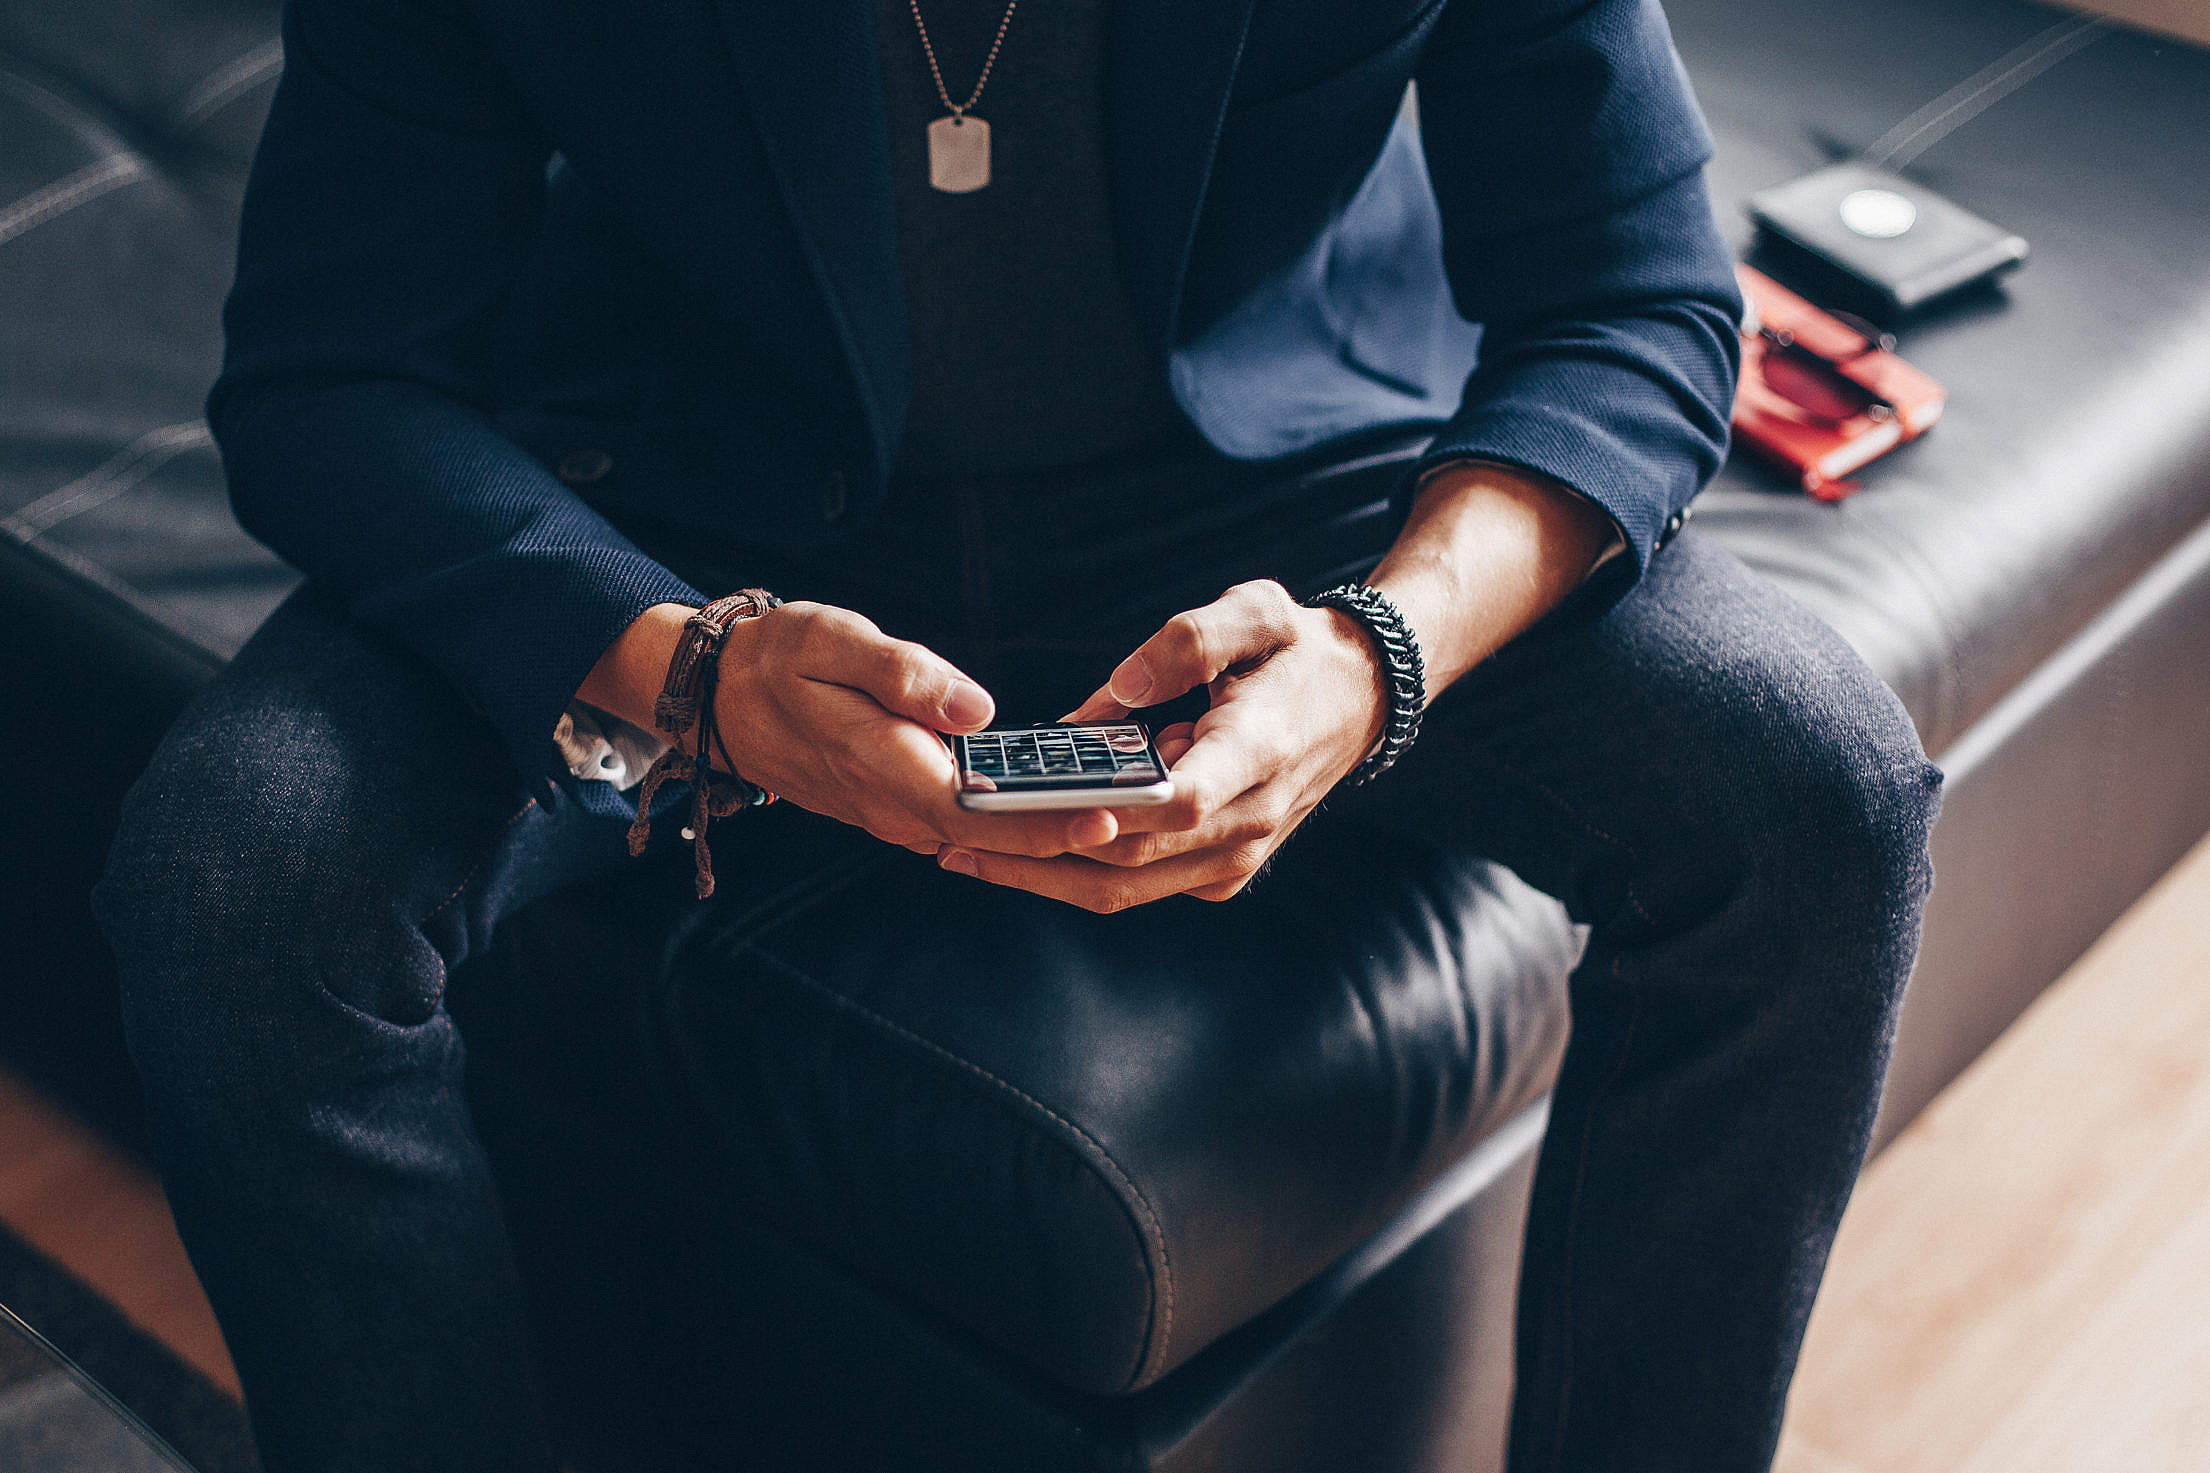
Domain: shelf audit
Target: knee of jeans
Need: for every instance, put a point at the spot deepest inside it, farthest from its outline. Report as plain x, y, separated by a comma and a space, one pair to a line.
1832, 801
233, 870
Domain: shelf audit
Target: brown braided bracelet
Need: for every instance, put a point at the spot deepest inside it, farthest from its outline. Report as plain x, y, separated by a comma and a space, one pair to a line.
686, 704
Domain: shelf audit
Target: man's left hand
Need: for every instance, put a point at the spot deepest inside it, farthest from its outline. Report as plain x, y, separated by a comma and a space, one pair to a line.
1297, 702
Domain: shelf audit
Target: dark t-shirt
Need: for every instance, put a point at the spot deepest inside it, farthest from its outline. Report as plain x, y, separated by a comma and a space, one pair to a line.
1026, 351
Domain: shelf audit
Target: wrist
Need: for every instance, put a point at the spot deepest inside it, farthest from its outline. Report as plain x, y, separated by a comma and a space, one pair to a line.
1395, 652
685, 712
1365, 680
629, 675
747, 674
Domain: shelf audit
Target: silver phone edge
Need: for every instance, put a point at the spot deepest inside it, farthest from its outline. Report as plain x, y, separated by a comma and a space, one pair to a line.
1151, 795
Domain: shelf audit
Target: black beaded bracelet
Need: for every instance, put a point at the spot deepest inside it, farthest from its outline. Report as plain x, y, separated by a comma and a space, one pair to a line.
1404, 671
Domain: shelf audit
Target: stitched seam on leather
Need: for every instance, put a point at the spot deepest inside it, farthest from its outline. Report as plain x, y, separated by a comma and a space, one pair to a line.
1131, 1195
229, 82
109, 479
67, 112
67, 192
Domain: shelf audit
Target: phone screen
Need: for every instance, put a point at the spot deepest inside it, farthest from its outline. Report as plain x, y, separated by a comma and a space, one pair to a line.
1043, 759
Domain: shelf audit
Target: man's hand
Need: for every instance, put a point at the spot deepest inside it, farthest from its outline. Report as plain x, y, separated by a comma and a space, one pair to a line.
1297, 693
1297, 702
823, 709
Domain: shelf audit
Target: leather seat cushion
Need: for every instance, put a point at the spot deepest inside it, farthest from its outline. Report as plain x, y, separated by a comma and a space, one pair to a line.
127, 133
1099, 1146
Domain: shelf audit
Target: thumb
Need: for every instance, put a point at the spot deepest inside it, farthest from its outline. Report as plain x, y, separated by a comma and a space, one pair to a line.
1099, 707
1248, 622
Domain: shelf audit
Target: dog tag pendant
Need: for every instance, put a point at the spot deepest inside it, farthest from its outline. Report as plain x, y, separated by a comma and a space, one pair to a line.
959, 154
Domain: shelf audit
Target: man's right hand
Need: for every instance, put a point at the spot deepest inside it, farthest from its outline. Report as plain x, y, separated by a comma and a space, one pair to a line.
824, 710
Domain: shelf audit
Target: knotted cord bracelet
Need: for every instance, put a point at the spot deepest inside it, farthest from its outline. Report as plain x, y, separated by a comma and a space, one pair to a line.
686, 703
1403, 669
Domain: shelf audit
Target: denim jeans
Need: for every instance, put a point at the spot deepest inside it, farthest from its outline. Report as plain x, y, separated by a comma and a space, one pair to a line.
1703, 773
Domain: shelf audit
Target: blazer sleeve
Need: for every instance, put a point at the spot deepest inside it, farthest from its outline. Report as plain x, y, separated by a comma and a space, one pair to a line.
397, 185
1567, 155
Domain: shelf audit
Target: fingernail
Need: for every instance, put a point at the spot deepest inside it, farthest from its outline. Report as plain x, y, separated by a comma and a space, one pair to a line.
1091, 830
968, 705
1131, 682
958, 861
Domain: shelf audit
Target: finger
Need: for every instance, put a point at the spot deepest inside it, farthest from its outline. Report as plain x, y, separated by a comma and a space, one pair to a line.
909, 784
1036, 835
908, 679
1139, 845
896, 772
1248, 622
1175, 740
1218, 767
914, 772
914, 769
1093, 886
1226, 889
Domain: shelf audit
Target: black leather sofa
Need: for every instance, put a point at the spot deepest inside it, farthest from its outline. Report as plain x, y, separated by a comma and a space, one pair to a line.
1021, 1210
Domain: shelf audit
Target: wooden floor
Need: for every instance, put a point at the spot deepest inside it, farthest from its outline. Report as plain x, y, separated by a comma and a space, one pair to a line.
2022, 1285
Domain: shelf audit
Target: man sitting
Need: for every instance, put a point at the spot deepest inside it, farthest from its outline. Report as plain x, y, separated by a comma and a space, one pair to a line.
1034, 358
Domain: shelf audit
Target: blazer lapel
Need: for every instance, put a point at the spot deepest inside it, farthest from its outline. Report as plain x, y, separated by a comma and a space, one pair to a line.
1170, 65
809, 71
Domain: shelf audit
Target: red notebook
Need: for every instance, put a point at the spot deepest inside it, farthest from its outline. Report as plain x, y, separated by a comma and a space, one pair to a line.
1822, 396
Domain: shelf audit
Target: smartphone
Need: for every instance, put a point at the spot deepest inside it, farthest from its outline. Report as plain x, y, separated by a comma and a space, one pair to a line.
1106, 764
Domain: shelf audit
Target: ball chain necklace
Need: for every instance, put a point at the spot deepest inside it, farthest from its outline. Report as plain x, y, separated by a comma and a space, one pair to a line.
959, 144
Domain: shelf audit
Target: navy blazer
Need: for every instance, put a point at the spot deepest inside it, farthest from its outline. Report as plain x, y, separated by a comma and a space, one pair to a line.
515, 271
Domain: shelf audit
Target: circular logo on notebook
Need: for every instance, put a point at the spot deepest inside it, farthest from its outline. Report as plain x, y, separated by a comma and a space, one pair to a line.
1878, 214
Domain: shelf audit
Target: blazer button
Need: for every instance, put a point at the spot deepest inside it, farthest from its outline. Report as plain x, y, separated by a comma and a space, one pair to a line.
834, 496
585, 467
1674, 523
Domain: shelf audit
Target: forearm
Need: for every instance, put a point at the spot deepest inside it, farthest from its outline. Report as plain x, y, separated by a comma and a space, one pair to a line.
1566, 155
1486, 552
